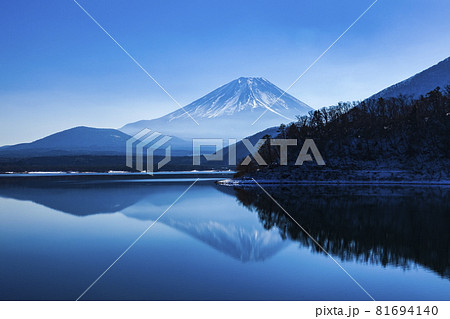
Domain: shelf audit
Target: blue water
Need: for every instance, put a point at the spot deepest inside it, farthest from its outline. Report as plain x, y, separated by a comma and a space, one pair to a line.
219, 243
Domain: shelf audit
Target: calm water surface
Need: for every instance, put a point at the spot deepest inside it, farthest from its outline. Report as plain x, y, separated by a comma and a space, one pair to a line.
221, 243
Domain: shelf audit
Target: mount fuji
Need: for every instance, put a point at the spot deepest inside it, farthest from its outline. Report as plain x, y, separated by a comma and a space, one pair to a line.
228, 112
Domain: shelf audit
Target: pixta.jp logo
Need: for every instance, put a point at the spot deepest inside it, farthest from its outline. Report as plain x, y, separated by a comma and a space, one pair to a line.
143, 146
308, 148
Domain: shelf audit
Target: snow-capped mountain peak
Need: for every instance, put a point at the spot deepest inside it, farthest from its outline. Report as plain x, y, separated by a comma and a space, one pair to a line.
240, 95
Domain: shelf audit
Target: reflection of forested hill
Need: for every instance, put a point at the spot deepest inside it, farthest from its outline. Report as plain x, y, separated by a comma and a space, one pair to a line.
380, 225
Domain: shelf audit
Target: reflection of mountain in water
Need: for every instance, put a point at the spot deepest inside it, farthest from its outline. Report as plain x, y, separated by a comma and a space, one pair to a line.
377, 225
241, 240
242, 243
398, 226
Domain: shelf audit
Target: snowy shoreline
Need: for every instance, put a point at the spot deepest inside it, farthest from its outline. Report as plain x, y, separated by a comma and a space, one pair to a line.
250, 182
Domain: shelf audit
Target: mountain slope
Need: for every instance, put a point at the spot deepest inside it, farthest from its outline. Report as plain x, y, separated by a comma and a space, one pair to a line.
421, 83
228, 112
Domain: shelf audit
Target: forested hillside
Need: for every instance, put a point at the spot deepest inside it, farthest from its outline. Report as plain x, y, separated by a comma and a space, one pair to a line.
397, 135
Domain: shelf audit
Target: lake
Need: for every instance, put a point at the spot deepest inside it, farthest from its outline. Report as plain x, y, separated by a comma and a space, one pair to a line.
221, 243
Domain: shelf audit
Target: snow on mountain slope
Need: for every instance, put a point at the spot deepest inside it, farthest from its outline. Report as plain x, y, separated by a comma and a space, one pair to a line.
228, 112
421, 83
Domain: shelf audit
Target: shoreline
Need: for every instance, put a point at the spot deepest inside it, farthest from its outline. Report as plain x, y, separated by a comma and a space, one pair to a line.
114, 176
110, 173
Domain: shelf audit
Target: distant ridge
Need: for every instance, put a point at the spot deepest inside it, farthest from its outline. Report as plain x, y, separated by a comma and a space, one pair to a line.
82, 140
77, 140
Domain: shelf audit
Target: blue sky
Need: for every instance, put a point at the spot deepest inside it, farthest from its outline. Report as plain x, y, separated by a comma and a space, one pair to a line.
59, 70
